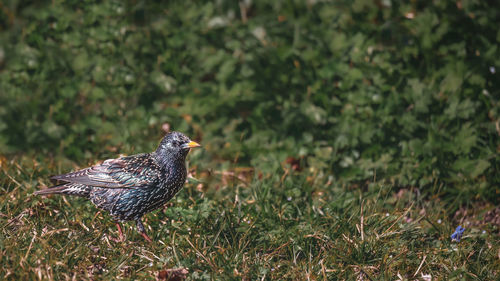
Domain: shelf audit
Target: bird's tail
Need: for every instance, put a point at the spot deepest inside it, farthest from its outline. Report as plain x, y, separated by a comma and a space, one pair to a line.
68, 188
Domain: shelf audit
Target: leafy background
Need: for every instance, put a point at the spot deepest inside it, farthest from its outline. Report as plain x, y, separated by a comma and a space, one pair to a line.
318, 100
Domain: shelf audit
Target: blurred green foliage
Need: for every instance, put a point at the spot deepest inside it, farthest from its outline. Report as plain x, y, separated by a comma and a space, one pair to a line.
404, 91
336, 104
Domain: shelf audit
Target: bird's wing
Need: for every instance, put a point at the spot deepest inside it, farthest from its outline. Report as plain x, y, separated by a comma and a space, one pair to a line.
126, 172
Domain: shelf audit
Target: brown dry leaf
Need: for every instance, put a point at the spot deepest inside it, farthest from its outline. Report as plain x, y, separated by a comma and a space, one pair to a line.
410, 15
172, 274
2, 160
188, 118
294, 163
111, 148
401, 193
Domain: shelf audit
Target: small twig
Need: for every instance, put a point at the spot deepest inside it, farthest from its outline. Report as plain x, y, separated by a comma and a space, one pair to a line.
349, 240
55, 231
284, 175
173, 247
497, 126
199, 253
12, 179
279, 248
362, 223
29, 248
420, 266
366, 274
396, 257
83, 225
404, 214
323, 269
243, 12
470, 255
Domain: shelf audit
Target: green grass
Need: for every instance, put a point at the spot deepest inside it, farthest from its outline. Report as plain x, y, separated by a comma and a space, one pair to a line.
277, 226
341, 139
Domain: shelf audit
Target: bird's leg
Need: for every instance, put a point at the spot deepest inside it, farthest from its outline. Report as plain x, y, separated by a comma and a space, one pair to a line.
142, 231
120, 232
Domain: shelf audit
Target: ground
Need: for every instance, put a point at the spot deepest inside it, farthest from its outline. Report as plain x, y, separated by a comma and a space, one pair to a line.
342, 140
280, 225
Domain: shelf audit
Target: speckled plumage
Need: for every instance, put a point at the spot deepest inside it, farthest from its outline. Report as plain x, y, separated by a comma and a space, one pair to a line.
131, 186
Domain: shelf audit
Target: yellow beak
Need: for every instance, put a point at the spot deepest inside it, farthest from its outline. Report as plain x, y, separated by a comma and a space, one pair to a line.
191, 144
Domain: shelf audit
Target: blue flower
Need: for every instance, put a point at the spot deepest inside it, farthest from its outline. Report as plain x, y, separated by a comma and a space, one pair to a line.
457, 235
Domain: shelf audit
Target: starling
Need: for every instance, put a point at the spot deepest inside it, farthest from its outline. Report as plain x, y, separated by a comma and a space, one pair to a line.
131, 186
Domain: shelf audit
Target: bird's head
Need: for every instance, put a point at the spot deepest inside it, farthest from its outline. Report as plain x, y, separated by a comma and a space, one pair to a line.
174, 146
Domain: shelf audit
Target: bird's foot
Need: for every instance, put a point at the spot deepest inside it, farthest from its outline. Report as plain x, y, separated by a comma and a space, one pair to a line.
120, 233
146, 237
142, 230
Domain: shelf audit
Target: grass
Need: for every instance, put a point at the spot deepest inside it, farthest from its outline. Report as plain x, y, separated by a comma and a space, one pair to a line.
341, 139
236, 225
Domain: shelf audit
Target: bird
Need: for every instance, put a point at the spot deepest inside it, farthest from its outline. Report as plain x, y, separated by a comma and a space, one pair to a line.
131, 186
